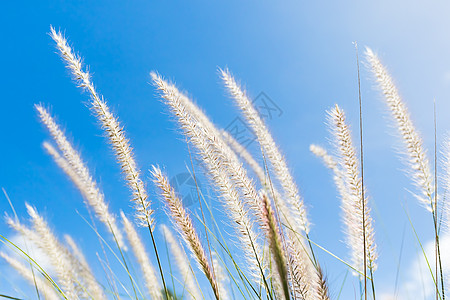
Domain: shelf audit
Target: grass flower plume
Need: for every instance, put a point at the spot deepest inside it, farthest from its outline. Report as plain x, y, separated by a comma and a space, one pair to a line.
416, 155
77, 171
112, 128
356, 211
185, 227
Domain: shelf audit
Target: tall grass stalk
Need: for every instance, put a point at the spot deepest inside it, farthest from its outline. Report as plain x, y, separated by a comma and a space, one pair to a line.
356, 213
182, 262
416, 156
274, 238
117, 139
145, 264
185, 227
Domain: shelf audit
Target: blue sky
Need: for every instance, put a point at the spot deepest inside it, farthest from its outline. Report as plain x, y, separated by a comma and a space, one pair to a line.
300, 54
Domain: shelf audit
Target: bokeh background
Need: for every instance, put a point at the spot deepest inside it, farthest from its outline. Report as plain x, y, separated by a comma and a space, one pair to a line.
300, 54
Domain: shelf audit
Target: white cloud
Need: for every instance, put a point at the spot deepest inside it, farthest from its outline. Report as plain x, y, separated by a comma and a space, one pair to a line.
31, 249
419, 283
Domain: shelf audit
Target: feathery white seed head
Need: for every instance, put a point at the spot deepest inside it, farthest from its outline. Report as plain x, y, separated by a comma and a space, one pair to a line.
445, 182
184, 225
322, 286
352, 197
338, 174
76, 169
291, 194
323, 154
114, 131
26, 232
416, 155
63, 164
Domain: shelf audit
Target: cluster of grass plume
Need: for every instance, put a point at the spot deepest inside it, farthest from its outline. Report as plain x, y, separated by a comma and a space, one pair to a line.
270, 254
